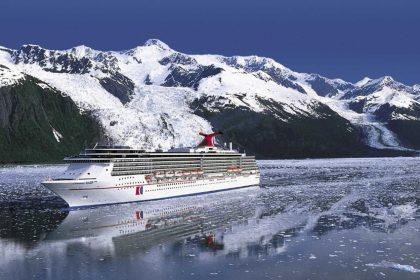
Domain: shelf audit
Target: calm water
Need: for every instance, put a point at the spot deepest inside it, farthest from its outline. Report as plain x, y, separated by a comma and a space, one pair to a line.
311, 219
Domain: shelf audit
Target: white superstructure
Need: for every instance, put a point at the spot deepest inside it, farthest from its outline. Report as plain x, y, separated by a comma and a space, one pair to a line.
105, 175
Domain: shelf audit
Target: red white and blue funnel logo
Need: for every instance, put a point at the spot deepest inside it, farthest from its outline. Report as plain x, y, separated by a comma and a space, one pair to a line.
208, 140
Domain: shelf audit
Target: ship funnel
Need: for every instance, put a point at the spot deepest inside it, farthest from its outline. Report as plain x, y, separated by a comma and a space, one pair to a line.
230, 146
208, 139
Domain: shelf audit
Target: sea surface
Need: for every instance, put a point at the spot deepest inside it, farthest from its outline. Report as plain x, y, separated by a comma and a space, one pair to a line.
309, 219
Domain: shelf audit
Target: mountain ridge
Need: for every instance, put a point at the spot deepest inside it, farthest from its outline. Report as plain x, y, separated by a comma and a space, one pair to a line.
149, 96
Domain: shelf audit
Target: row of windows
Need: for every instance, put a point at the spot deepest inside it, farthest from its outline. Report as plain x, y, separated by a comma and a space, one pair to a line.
139, 172
180, 171
169, 210
124, 184
170, 172
195, 165
159, 186
178, 184
195, 185
87, 161
95, 158
172, 165
128, 224
126, 178
173, 184
182, 159
154, 165
127, 231
176, 157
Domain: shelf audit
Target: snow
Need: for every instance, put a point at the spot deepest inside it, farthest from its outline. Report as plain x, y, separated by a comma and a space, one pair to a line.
390, 96
86, 92
9, 76
210, 59
363, 82
377, 134
81, 51
56, 134
161, 117
157, 42
233, 81
391, 93
157, 117
44, 85
229, 83
149, 66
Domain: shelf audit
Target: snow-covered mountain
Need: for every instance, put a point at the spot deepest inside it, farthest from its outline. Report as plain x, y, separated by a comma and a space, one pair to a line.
374, 94
388, 109
155, 97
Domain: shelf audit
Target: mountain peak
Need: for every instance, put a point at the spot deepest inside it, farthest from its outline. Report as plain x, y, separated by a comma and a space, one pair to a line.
31, 46
29, 53
263, 61
387, 79
158, 43
81, 50
363, 82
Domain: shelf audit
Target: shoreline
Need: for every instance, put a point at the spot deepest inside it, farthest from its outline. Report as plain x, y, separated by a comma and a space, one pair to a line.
258, 160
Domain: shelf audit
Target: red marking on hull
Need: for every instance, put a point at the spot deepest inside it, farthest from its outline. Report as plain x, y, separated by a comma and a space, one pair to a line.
139, 190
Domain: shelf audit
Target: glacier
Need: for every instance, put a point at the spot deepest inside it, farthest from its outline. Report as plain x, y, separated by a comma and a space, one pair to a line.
142, 97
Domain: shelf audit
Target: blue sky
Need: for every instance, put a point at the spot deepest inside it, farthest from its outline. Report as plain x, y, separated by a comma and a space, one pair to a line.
348, 39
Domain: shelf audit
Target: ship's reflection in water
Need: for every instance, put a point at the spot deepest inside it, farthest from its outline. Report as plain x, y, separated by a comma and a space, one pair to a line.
310, 219
220, 224
130, 228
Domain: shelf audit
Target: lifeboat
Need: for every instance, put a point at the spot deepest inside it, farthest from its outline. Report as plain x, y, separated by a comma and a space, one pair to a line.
159, 175
169, 174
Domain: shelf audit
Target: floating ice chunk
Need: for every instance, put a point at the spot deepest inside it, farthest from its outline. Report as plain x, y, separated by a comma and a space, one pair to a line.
405, 211
312, 257
397, 266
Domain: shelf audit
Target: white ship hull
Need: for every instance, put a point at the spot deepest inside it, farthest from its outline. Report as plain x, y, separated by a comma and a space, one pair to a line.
119, 174
135, 188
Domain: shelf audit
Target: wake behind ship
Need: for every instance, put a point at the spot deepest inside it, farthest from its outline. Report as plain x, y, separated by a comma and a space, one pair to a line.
118, 174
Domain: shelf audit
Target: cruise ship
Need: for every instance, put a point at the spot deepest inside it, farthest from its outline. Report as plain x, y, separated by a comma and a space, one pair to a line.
119, 174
